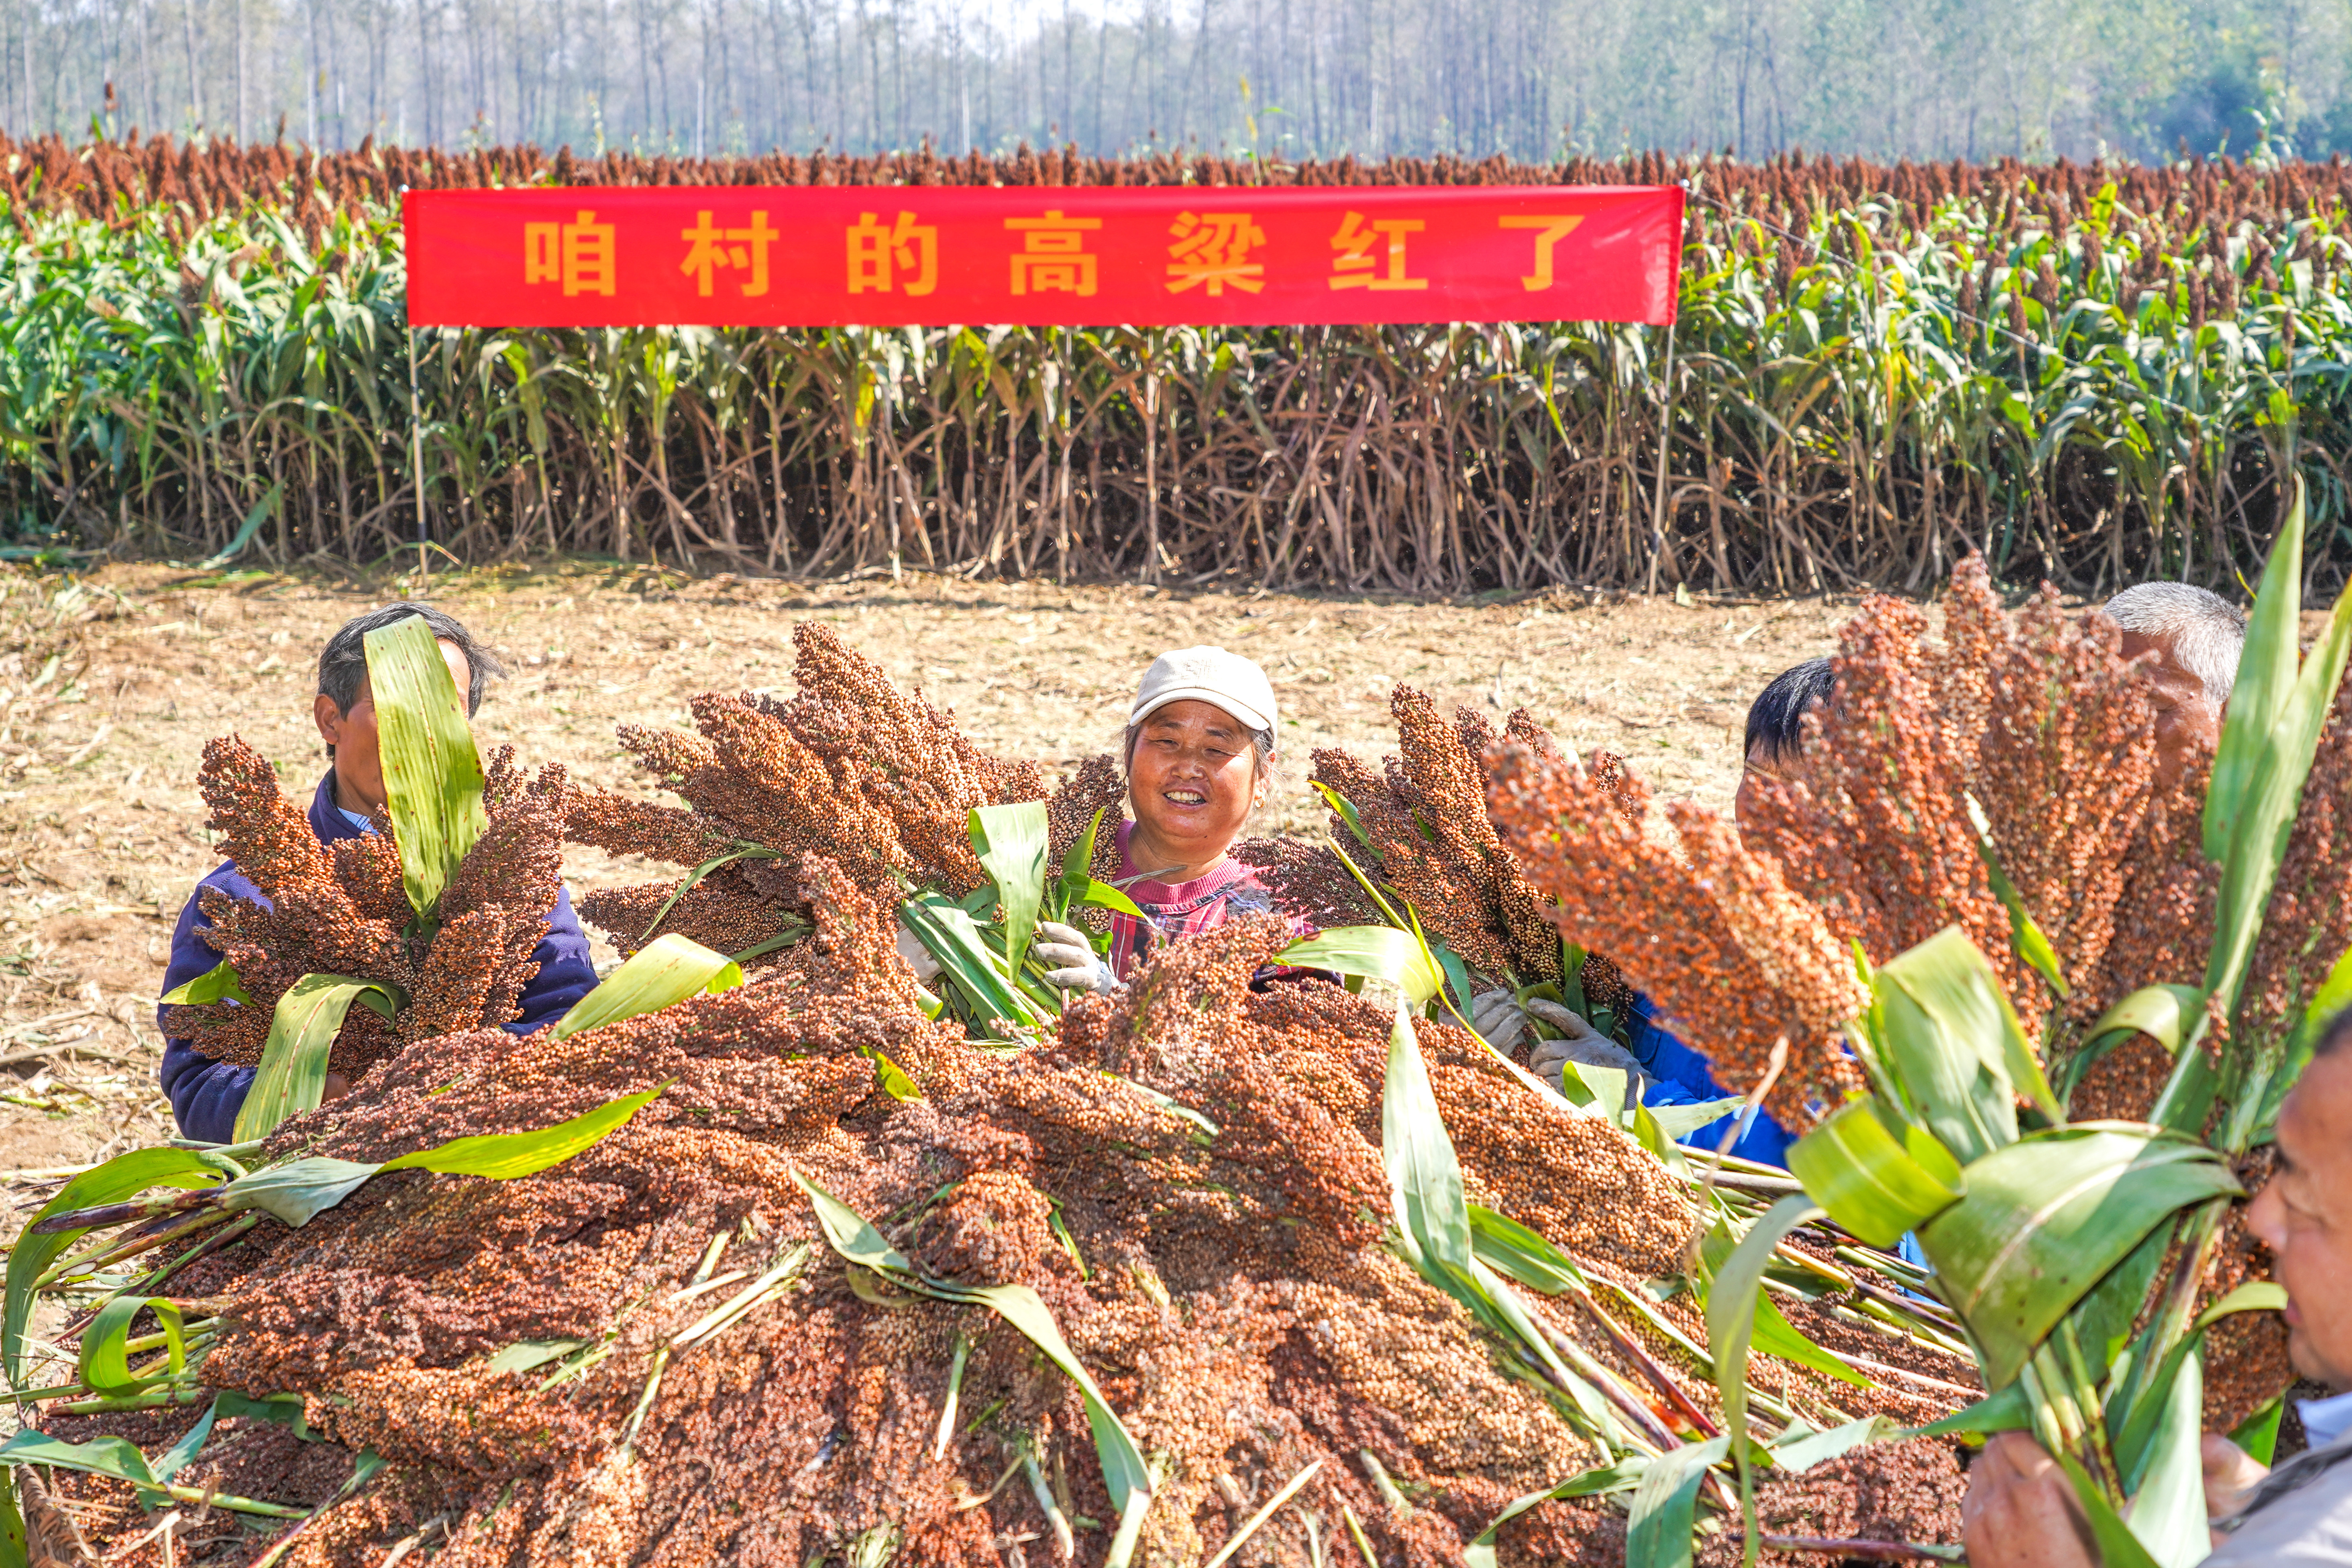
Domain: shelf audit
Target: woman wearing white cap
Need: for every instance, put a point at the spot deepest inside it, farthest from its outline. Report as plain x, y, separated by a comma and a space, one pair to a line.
1199, 755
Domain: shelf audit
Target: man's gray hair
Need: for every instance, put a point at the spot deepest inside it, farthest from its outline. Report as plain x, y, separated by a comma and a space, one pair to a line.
342, 663
2205, 631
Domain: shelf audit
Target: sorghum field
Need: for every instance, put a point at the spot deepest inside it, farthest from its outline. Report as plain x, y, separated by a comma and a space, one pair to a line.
2094, 374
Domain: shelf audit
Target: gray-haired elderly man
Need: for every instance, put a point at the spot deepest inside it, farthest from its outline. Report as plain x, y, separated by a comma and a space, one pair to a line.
2197, 637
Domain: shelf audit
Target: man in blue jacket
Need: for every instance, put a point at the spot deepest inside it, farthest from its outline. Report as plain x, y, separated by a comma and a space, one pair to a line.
205, 1094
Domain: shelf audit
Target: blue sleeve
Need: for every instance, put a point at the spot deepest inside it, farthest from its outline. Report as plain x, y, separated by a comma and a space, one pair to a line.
565, 971
205, 1094
1667, 1059
1765, 1140
1682, 1077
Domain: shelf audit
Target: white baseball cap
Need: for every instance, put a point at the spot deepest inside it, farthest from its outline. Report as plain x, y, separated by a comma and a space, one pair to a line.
1209, 675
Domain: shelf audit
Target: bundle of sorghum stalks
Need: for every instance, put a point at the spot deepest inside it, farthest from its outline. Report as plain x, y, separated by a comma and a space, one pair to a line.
1747, 939
877, 780
341, 910
653, 1348
1418, 830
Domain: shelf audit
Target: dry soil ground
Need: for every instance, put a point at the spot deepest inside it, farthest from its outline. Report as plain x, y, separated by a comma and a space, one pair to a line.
109, 687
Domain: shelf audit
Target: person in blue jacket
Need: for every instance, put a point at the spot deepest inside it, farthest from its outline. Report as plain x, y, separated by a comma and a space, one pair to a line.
205, 1094
1670, 1072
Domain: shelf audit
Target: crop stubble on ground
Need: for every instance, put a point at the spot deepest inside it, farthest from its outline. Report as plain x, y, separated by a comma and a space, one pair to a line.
101, 830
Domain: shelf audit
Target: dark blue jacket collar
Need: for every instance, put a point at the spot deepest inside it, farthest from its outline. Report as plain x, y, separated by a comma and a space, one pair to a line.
327, 819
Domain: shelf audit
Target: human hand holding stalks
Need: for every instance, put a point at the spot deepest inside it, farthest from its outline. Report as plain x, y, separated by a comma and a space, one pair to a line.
1580, 1043
1074, 964
1502, 1020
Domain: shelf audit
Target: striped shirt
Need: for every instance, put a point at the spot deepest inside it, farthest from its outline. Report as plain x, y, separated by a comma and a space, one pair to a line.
1174, 910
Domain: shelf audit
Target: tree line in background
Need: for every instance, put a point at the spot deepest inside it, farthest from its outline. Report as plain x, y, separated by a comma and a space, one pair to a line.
1288, 79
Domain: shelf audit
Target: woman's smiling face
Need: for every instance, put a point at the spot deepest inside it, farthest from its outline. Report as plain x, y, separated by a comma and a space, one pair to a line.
1193, 778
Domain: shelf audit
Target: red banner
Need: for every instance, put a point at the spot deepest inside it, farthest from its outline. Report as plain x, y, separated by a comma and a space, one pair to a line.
829, 256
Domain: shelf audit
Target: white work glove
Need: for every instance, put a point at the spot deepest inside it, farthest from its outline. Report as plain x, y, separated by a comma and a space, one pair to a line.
918, 957
1582, 1044
1500, 1019
1071, 962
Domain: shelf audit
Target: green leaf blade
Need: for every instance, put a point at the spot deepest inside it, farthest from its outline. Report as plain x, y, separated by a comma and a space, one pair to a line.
504, 1157
854, 1237
665, 970
2266, 669
968, 963
1425, 1190
2258, 1434
1516, 1253
2025, 934
104, 1363
1775, 1335
1854, 1165
117, 1457
2164, 1013
1796, 1455
298, 1191
432, 772
122, 1177
1124, 1471
292, 1075
2046, 1217
221, 983
1103, 896
1374, 953
1078, 869
1010, 841
890, 1077
852, 1234
1732, 1299
2270, 734
1663, 1508
1952, 1040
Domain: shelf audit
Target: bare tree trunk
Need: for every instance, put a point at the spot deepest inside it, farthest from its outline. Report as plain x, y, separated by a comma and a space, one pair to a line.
311, 77
840, 97
379, 45
808, 61
644, 70
153, 116
1200, 48
424, 71
661, 75
897, 74
873, 53
479, 39
523, 103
